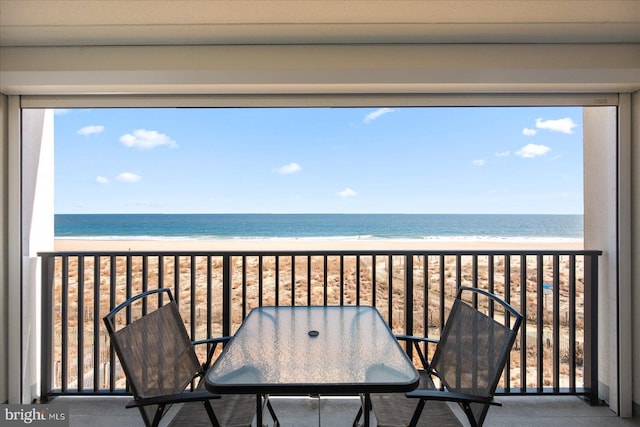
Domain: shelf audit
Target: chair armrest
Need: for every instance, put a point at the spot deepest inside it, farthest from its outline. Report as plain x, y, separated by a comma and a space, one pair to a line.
417, 339
173, 398
216, 340
415, 342
449, 396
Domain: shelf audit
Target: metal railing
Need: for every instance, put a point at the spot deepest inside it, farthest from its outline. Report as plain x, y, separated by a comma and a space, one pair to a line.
556, 291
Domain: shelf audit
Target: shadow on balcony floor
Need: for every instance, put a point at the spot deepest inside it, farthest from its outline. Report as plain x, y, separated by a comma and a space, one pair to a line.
536, 411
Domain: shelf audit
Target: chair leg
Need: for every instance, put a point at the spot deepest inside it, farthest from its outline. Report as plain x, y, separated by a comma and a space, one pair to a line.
358, 415
157, 416
417, 413
212, 415
470, 415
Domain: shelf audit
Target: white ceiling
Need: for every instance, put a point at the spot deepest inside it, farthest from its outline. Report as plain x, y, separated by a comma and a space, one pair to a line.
210, 22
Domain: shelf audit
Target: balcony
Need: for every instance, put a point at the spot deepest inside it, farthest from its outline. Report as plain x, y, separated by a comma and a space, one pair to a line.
554, 355
517, 411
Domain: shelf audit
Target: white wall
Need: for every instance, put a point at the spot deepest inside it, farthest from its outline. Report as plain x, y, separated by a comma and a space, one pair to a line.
26, 227
37, 235
4, 344
600, 230
635, 251
28, 215
318, 69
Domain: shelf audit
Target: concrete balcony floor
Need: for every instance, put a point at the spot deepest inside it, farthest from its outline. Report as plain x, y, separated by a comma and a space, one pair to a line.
301, 412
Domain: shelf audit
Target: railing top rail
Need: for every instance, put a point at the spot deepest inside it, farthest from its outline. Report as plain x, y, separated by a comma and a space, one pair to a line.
446, 252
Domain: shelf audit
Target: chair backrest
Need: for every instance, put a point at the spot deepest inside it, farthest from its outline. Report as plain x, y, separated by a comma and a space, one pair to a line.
473, 348
155, 351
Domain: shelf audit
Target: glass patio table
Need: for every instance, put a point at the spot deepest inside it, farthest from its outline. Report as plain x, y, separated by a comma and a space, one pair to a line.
313, 350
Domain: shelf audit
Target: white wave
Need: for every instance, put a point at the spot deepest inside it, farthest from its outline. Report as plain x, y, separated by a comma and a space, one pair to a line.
479, 238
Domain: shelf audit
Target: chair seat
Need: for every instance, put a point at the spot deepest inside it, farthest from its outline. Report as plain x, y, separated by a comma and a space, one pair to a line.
234, 410
395, 409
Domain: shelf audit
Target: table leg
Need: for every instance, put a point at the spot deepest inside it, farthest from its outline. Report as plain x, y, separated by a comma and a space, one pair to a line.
367, 410
259, 410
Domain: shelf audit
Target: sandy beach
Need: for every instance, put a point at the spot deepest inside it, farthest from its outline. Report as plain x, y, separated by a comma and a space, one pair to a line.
310, 244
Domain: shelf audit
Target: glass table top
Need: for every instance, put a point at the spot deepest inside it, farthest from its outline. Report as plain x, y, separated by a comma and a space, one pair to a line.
313, 349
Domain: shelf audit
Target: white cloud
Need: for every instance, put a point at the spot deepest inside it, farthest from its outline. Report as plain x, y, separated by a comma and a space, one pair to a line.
376, 114
61, 111
529, 132
565, 125
479, 162
530, 151
90, 130
147, 139
347, 192
102, 180
128, 177
503, 154
289, 169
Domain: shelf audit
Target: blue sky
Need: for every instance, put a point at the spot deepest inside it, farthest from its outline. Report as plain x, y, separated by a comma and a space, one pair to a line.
319, 160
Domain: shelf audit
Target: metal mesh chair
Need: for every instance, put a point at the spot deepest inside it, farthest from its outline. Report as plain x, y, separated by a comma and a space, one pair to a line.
161, 365
468, 362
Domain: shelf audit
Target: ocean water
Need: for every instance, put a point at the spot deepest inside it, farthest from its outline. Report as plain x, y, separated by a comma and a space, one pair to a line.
318, 226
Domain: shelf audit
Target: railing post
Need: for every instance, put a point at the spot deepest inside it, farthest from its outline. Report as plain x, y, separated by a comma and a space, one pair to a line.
408, 299
591, 326
48, 268
226, 295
